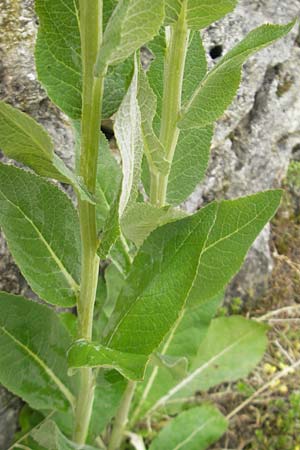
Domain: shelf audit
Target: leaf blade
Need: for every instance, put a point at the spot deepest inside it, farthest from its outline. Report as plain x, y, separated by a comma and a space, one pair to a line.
42, 230
195, 429
217, 90
41, 346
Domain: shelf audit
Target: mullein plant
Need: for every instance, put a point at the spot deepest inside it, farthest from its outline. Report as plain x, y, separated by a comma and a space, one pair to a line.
144, 336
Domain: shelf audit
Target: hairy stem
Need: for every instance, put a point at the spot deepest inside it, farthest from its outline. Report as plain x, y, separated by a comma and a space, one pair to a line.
177, 42
122, 417
91, 35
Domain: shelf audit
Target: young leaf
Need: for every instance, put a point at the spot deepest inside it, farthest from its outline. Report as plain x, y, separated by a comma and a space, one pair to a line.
237, 223
111, 230
195, 429
132, 24
109, 177
51, 438
24, 140
33, 353
154, 150
217, 90
42, 230
199, 13
129, 138
116, 84
140, 219
188, 168
232, 347
58, 53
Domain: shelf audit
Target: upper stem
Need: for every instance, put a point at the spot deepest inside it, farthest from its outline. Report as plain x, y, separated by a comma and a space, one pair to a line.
91, 36
177, 42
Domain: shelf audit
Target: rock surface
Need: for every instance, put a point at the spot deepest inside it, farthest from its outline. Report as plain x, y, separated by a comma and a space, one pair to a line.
253, 141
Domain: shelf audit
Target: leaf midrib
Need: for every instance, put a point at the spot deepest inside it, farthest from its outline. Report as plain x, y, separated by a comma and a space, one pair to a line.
70, 280
63, 389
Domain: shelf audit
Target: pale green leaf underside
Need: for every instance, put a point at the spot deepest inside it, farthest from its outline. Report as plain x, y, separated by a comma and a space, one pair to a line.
132, 24
33, 345
199, 13
42, 231
165, 267
51, 438
195, 429
129, 138
23, 139
217, 90
88, 354
140, 219
153, 148
232, 347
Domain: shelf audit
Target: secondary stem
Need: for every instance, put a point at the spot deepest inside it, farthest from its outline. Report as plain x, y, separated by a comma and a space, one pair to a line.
91, 36
122, 417
173, 81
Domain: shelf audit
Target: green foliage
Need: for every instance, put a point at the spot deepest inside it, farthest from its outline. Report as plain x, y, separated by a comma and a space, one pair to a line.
161, 270
33, 345
218, 88
51, 438
195, 429
42, 230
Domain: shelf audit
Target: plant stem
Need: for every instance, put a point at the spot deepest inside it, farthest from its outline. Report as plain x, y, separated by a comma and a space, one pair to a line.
91, 36
122, 417
173, 82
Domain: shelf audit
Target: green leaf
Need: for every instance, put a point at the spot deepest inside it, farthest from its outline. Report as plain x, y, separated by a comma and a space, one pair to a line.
153, 149
33, 346
217, 90
108, 393
24, 140
195, 429
199, 13
232, 347
50, 437
165, 268
58, 53
183, 341
88, 354
111, 229
42, 231
236, 225
129, 138
163, 273
140, 219
116, 83
109, 177
188, 167
132, 24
